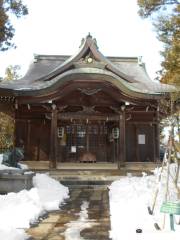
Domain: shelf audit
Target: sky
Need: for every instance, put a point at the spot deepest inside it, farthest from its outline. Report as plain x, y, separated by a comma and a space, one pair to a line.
57, 27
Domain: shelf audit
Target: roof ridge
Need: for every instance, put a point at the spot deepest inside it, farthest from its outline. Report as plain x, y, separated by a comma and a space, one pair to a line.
123, 59
50, 57
64, 56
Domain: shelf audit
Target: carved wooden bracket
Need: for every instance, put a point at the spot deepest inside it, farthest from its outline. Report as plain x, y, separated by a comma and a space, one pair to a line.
89, 91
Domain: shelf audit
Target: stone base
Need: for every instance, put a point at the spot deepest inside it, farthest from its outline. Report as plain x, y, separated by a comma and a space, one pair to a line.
15, 181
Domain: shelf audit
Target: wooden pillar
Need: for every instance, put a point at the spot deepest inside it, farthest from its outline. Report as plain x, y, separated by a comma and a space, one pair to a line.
15, 133
87, 136
15, 129
136, 144
53, 137
157, 136
122, 142
28, 131
154, 142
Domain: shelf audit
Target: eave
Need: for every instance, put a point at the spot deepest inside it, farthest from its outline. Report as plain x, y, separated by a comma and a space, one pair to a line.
102, 69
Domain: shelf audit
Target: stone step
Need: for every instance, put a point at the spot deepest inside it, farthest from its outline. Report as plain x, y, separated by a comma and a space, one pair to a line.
84, 177
88, 183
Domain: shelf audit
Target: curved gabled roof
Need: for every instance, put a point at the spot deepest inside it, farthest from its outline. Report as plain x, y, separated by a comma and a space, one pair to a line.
48, 71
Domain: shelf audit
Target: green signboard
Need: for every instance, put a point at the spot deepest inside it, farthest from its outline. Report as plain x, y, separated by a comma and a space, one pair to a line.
171, 208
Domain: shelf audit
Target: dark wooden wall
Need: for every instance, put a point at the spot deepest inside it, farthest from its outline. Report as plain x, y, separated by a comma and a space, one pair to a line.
35, 135
136, 152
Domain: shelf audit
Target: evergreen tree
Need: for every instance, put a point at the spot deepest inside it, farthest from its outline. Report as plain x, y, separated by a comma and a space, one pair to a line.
166, 19
6, 130
6, 121
7, 8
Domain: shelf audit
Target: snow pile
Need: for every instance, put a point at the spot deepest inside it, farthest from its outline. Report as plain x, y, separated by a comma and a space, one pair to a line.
18, 210
1, 158
2, 166
129, 199
13, 234
50, 191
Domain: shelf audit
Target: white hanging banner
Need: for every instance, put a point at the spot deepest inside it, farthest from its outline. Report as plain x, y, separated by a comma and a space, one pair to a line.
73, 149
141, 139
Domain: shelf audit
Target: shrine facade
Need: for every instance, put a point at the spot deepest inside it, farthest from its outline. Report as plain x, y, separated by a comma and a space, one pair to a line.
86, 108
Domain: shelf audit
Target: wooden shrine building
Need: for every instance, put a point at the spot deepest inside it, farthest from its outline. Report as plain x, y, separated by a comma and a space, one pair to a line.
86, 108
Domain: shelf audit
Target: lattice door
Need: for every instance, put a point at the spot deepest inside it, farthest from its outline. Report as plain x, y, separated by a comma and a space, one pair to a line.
84, 138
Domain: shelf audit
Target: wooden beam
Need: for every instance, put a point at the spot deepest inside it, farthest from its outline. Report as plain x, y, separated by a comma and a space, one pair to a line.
108, 117
141, 122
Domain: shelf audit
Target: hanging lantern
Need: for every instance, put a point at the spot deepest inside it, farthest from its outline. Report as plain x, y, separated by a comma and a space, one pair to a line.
115, 133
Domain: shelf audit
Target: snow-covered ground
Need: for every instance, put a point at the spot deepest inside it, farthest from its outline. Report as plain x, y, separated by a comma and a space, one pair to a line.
129, 199
18, 210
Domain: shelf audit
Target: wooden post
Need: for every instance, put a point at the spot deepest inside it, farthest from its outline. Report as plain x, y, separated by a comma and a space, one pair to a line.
53, 137
136, 144
15, 133
27, 150
87, 136
157, 136
15, 129
122, 142
154, 142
